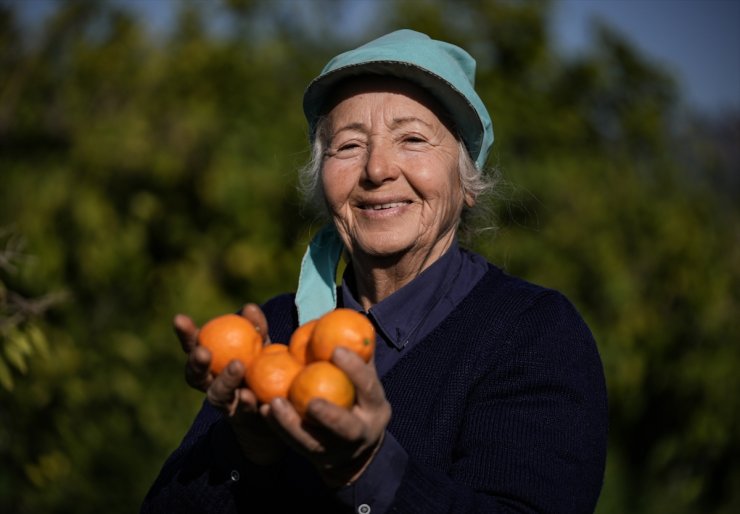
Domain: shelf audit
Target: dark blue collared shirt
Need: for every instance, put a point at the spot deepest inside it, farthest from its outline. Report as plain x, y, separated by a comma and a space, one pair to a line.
402, 321
408, 315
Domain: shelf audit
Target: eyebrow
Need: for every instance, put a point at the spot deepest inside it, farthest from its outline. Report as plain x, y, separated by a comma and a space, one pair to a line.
397, 122
349, 126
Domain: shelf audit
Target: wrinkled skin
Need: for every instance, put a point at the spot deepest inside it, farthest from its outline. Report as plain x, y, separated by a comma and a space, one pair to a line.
391, 182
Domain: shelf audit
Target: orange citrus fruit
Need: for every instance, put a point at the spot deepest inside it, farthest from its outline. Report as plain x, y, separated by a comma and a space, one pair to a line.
271, 372
342, 327
298, 343
321, 379
230, 337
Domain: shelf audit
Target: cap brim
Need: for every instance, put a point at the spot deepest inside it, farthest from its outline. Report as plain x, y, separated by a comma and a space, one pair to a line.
460, 110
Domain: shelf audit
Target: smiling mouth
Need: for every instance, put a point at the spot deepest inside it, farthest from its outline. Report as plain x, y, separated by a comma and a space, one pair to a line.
383, 206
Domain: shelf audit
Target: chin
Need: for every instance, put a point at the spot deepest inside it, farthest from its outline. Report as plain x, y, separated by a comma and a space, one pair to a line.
387, 246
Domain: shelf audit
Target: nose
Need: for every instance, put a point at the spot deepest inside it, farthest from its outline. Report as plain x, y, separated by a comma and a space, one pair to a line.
380, 165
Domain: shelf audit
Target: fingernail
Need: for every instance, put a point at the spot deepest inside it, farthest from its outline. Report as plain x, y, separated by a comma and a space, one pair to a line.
341, 354
278, 404
318, 405
265, 409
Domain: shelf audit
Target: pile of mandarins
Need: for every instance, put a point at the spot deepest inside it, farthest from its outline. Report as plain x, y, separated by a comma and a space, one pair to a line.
300, 370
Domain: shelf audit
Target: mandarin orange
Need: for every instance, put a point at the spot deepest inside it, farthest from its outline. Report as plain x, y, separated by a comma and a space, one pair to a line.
342, 327
230, 337
271, 372
298, 344
321, 379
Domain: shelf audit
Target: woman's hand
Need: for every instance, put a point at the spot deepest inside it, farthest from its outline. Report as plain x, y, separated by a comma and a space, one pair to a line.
339, 442
226, 391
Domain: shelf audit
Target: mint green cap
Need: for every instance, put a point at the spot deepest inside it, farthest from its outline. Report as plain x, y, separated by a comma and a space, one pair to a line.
443, 69
447, 72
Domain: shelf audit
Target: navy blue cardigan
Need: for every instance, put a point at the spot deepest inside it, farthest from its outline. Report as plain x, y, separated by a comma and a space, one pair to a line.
502, 408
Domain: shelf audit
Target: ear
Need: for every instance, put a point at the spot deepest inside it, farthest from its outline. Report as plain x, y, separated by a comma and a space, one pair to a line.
469, 199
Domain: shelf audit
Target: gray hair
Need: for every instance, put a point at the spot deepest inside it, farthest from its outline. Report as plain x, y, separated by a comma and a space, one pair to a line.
476, 183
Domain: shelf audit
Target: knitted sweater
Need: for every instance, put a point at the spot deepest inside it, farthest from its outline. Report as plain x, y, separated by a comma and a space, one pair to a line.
502, 408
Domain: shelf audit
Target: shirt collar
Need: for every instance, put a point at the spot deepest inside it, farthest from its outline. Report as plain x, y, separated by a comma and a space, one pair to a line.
399, 315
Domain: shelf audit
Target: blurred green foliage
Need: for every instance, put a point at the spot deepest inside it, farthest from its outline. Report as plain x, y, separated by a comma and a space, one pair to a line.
146, 175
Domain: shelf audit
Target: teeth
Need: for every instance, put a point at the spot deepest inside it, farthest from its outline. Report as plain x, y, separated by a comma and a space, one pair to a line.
385, 206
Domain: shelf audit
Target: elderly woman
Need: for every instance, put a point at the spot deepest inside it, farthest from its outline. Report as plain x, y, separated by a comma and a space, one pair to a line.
486, 393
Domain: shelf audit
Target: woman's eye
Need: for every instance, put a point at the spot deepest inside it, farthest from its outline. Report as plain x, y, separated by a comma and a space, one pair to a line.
347, 147
413, 139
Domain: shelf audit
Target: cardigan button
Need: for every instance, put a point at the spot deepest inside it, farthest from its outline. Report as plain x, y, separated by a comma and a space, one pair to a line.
363, 509
234, 475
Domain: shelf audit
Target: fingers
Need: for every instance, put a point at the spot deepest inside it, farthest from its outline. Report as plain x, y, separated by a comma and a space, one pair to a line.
369, 390
199, 358
336, 423
187, 332
254, 314
197, 373
366, 421
371, 413
246, 402
222, 391
337, 442
286, 422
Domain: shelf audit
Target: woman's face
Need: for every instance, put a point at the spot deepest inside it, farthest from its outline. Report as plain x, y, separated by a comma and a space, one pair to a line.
390, 174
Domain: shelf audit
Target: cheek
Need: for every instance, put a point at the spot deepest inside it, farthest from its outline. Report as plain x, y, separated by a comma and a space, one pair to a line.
337, 185
440, 188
